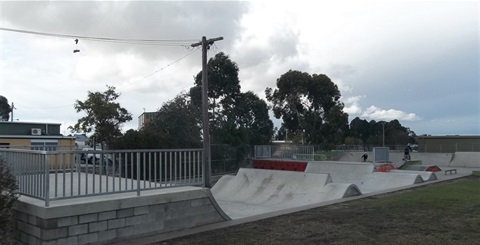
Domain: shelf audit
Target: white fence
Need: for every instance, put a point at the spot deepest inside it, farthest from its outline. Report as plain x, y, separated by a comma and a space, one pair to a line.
293, 152
53, 175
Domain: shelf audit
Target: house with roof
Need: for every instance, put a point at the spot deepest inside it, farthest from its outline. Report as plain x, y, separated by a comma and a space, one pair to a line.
34, 136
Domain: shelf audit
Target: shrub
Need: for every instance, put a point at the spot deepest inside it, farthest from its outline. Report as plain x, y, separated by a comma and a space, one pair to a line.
8, 197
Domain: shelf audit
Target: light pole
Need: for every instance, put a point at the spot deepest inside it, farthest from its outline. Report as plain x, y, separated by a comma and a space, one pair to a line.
383, 134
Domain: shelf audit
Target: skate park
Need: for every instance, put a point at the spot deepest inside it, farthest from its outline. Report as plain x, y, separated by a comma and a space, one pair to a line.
136, 209
257, 191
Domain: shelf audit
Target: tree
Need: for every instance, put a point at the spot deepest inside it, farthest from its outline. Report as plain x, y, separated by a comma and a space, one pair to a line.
360, 129
8, 197
310, 108
223, 88
104, 116
251, 113
236, 118
177, 123
5, 109
372, 133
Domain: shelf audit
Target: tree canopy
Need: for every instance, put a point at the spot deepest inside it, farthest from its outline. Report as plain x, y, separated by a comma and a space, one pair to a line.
104, 118
178, 123
310, 108
373, 132
175, 125
5, 109
236, 118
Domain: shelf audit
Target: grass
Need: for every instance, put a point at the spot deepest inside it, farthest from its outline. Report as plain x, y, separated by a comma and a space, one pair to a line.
443, 213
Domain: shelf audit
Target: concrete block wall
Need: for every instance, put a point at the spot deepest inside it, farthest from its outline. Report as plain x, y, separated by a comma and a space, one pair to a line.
101, 221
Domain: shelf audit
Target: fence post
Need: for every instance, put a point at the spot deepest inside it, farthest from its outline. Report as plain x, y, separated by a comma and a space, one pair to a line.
47, 180
138, 173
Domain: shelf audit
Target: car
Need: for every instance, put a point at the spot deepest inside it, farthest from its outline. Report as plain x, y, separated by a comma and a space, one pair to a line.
91, 158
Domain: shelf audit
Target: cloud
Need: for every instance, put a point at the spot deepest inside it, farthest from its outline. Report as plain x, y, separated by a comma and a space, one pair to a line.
376, 113
352, 105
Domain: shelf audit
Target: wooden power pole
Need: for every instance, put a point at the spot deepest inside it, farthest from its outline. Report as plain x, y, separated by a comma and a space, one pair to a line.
207, 172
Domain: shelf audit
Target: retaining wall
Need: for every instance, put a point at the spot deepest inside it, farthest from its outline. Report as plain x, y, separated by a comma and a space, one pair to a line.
118, 217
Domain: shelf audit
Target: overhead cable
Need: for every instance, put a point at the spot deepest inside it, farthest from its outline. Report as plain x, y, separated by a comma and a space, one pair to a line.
162, 42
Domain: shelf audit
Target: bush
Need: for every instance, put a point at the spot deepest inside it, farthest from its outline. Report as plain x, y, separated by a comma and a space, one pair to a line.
8, 197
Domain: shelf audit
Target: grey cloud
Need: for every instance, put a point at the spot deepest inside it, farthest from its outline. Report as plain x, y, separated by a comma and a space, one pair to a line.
279, 48
284, 45
138, 20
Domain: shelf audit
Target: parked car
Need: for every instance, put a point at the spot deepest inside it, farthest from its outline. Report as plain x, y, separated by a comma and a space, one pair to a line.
91, 158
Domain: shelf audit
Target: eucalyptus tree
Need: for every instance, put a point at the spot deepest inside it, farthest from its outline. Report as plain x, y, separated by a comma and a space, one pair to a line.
310, 108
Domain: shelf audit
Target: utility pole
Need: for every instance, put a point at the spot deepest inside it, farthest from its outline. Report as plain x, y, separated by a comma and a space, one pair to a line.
206, 134
383, 134
13, 107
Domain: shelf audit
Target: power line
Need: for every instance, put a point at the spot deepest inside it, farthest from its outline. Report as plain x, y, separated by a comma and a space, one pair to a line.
161, 69
162, 42
143, 78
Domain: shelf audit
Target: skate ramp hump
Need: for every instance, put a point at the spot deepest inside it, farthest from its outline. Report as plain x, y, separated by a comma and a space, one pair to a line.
426, 176
380, 181
466, 160
258, 191
341, 171
362, 175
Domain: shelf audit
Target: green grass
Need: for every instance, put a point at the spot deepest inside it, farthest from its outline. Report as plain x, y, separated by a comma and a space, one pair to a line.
444, 213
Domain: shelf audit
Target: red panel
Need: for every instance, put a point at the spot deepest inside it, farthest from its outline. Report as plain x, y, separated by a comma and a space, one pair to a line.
280, 165
433, 169
385, 168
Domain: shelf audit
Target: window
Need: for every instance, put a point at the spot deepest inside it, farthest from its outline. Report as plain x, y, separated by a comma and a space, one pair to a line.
44, 145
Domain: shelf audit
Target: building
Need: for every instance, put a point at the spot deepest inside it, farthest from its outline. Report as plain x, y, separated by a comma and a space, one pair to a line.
449, 143
145, 118
34, 136
81, 141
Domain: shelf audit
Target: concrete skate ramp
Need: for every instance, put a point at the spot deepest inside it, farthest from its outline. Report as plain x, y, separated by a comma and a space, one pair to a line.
258, 191
340, 170
362, 175
426, 176
466, 160
439, 159
406, 164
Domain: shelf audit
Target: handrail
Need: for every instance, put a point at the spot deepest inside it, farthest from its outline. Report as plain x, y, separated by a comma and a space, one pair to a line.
53, 175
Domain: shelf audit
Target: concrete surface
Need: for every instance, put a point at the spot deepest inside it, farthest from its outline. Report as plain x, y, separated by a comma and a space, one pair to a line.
257, 191
441, 159
466, 160
362, 175
457, 159
426, 176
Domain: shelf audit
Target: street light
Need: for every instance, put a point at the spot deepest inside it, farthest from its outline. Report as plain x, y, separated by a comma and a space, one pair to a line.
383, 134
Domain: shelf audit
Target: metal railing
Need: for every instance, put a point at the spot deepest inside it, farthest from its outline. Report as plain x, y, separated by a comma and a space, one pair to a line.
58, 175
294, 152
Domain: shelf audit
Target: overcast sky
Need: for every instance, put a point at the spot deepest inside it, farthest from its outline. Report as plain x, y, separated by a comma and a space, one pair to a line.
415, 61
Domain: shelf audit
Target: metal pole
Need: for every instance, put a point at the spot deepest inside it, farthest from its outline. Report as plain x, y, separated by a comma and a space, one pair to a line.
47, 180
206, 134
138, 173
383, 134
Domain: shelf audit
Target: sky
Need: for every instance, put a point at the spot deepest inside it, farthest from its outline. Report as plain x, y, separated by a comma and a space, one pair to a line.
414, 61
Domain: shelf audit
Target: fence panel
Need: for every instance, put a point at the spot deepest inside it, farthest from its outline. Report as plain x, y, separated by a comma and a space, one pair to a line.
69, 174
285, 152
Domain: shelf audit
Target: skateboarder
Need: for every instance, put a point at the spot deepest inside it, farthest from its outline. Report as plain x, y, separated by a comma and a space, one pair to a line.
406, 155
364, 157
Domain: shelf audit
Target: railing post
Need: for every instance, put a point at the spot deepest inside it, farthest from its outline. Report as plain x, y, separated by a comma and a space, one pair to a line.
47, 179
138, 173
